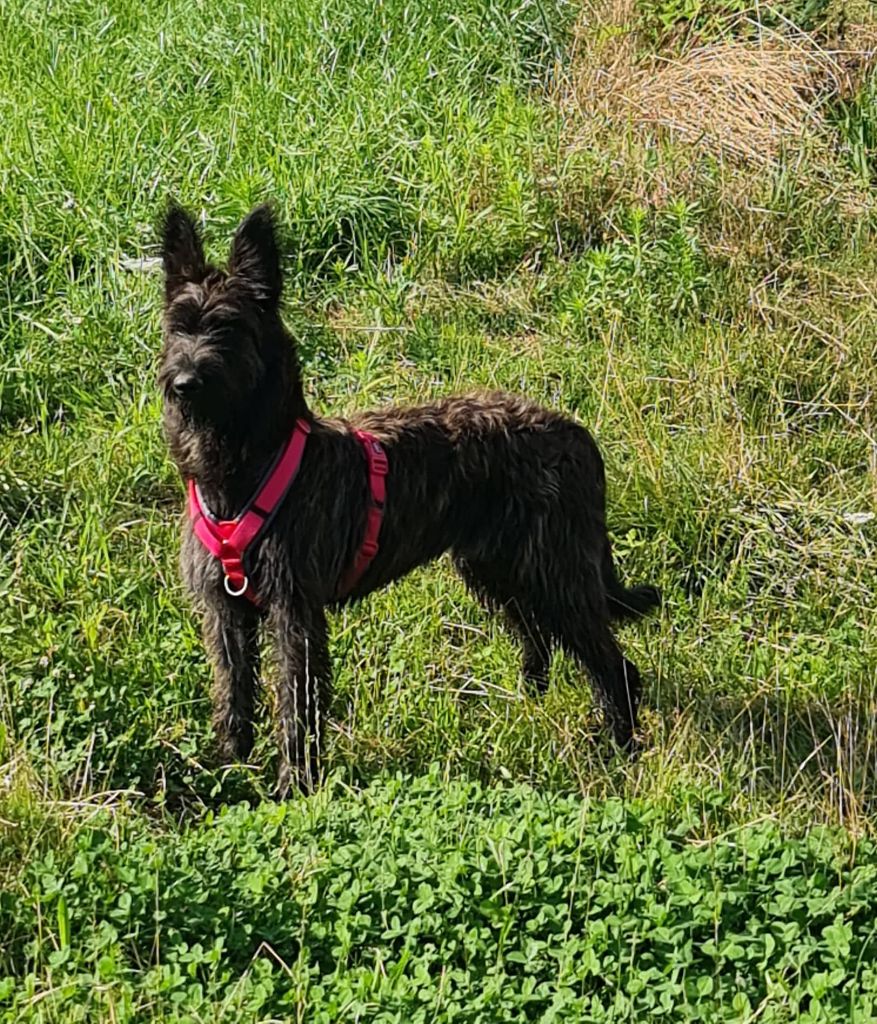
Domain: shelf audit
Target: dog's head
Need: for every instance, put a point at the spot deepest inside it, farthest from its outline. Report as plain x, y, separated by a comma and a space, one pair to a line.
221, 327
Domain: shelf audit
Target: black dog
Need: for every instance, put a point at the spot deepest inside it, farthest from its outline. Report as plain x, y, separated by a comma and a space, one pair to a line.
515, 492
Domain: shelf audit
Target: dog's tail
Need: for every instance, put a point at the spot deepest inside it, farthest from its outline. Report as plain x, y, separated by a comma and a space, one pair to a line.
632, 603
626, 604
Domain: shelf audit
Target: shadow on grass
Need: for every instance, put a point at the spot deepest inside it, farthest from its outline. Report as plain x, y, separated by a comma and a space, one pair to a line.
790, 749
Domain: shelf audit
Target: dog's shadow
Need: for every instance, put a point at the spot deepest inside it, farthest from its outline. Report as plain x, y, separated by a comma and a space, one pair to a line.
783, 749
780, 748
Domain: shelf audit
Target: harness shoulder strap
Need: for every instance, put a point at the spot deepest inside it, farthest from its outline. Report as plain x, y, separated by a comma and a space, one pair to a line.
200, 522
262, 508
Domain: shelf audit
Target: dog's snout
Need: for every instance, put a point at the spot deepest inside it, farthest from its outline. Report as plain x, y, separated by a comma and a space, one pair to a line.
186, 384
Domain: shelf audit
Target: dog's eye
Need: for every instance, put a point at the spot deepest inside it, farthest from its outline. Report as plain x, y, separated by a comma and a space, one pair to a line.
224, 338
186, 318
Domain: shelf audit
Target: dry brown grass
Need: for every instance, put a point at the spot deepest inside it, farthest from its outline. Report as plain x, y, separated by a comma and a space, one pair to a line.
746, 101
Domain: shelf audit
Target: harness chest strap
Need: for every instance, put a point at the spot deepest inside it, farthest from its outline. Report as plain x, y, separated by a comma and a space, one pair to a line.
229, 540
377, 472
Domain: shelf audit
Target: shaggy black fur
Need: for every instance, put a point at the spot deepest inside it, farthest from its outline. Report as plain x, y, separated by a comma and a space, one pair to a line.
515, 492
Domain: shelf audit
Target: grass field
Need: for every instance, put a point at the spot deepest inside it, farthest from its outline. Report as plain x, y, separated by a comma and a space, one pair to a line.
471, 200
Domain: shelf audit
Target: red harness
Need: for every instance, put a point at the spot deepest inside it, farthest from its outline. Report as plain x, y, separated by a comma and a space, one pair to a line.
230, 540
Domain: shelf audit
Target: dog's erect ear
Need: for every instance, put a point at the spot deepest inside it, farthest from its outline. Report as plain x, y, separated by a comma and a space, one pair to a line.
255, 255
181, 250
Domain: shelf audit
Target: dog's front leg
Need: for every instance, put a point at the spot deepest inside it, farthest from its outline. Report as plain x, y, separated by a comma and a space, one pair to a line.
231, 636
304, 682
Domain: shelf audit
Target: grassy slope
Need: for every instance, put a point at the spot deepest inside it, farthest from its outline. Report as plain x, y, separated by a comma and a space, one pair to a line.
442, 236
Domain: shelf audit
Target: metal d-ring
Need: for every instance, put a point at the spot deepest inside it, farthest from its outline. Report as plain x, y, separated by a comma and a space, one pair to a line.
235, 593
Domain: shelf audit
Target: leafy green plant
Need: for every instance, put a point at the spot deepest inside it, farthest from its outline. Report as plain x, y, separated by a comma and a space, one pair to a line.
420, 901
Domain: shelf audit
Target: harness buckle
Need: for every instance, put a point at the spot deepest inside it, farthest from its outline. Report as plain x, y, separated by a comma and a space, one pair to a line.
226, 582
379, 463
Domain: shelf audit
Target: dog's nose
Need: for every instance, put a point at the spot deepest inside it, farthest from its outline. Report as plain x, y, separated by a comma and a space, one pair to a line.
186, 383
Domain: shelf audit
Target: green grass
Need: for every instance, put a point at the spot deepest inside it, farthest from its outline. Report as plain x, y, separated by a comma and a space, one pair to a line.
436, 901
713, 327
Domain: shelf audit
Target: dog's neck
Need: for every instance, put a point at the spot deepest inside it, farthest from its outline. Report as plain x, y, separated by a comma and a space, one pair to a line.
229, 460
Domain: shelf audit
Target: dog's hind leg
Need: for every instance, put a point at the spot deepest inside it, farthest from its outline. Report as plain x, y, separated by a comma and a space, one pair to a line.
617, 679
232, 640
304, 682
569, 605
490, 585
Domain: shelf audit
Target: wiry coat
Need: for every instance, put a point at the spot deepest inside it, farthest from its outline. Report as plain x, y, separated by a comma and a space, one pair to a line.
515, 492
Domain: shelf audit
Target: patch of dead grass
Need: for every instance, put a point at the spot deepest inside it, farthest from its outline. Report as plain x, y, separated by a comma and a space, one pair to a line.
743, 100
